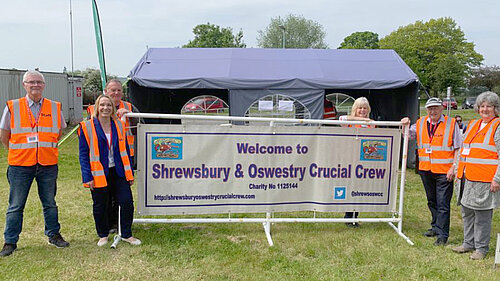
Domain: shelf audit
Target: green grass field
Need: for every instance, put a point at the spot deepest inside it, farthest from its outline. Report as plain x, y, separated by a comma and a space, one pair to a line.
234, 251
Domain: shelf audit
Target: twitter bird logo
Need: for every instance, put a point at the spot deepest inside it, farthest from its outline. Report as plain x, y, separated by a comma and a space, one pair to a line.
339, 193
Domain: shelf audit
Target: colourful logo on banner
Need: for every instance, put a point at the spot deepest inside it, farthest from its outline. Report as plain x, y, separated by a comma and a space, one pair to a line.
167, 148
373, 150
339, 193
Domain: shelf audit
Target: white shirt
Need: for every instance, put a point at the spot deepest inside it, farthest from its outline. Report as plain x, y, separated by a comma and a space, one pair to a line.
110, 152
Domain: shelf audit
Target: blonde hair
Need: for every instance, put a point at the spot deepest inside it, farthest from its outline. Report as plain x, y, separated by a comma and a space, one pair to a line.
362, 101
96, 107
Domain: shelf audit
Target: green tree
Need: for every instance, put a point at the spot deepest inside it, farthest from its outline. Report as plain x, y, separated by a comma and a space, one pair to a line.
360, 40
213, 36
436, 51
299, 33
92, 85
487, 76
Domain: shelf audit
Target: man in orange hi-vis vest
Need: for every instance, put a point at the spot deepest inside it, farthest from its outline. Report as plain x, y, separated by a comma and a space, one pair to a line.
30, 128
438, 142
114, 90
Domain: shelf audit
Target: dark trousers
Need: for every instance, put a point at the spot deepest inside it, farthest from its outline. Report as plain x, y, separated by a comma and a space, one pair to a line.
112, 211
439, 192
350, 215
120, 187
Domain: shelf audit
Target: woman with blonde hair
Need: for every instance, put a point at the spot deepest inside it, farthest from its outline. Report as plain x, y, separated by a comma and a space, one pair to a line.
106, 169
360, 111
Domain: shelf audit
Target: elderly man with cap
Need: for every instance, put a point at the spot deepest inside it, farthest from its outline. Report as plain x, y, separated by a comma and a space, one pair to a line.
438, 141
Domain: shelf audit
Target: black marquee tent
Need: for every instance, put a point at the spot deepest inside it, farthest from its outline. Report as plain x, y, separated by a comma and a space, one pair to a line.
164, 79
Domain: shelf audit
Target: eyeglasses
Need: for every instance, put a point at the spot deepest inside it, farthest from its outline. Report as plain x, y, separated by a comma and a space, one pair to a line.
34, 82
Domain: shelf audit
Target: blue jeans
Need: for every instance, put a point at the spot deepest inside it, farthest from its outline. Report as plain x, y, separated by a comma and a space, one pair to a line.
439, 192
20, 179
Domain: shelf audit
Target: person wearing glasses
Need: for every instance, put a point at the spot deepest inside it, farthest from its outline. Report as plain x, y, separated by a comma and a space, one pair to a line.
438, 141
460, 124
30, 129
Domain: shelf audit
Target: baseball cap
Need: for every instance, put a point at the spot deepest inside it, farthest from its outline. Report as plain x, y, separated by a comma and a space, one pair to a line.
433, 102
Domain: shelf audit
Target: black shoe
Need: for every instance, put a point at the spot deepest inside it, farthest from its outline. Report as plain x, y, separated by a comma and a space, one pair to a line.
440, 242
352, 224
8, 249
58, 241
430, 233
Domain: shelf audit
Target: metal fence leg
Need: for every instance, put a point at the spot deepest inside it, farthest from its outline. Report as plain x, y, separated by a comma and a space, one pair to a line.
267, 229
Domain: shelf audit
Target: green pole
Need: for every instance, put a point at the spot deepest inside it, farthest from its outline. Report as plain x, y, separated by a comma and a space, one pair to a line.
99, 44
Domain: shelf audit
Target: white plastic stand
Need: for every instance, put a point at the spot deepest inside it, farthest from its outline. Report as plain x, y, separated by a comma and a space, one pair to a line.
497, 252
118, 236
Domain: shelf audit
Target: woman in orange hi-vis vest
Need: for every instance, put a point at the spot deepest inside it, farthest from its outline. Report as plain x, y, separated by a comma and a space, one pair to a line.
360, 111
479, 174
114, 90
106, 169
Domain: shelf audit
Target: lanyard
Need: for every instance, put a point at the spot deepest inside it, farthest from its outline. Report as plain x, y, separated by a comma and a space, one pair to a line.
479, 129
433, 130
33, 125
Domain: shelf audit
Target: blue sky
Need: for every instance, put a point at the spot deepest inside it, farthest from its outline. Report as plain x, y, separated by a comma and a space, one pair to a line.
36, 33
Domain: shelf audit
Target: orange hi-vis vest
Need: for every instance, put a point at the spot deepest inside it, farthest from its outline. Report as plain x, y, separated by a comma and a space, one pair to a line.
33, 141
481, 161
361, 126
130, 136
435, 153
96, 168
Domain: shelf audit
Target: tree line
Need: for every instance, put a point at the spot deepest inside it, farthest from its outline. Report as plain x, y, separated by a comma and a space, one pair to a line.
436, 50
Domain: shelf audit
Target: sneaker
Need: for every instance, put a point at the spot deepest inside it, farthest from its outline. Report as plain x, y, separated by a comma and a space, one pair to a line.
430, 233
132, 241
477, 255
102, 241
440, 242
58, 241
462, 249
8, 249
352, 224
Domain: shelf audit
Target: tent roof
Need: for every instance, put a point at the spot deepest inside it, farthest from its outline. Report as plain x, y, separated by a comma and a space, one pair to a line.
252, 68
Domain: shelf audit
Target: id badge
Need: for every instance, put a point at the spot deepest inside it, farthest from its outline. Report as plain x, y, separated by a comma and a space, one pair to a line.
32, 138
465, 151
428, 150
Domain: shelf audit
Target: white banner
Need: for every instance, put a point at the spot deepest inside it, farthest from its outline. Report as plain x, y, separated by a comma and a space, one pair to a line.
242, 169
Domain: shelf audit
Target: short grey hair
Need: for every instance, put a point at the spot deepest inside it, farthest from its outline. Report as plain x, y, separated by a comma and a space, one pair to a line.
489, 97
33, 72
